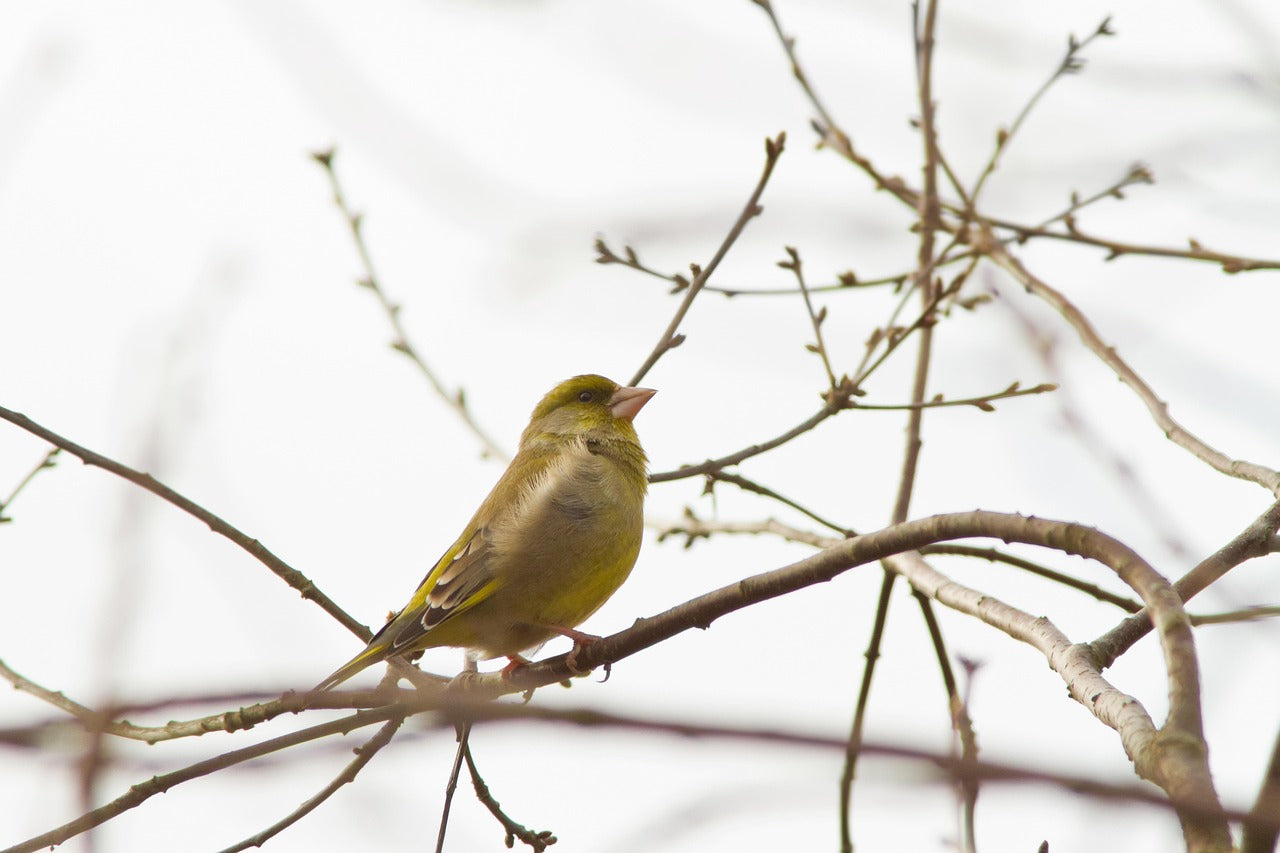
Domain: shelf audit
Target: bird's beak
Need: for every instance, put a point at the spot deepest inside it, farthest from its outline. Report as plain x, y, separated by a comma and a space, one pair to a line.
627, 402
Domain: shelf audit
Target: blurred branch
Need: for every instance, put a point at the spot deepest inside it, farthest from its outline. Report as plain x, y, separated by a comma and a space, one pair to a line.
452, 713
1235, 617
289, 575
143, 791
456, 400
1261, 834
48, 461
105, 720
773, 149
950, 766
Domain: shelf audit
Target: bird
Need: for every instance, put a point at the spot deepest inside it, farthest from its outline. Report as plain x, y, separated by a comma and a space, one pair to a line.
554, 539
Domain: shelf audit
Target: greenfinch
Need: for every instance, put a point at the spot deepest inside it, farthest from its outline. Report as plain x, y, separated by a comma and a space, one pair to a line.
555, 538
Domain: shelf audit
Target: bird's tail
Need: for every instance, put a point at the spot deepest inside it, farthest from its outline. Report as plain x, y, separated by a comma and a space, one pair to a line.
373, 654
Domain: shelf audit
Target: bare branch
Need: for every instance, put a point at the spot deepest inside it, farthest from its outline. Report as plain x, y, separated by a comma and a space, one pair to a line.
816, 318
1256, 540
289, 575
401, 342
680, 283
829, 409
1071, 63
1174, 431
539, 840
825, 125
982, 402
364, 754
773, 149
49, 461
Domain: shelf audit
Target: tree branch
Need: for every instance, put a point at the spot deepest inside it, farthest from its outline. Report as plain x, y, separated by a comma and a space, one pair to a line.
282, 570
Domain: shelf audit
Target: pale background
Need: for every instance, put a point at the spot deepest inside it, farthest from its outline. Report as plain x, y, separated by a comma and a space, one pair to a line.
177, 294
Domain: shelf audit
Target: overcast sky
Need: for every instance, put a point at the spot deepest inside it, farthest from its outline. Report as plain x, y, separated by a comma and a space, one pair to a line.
178, 293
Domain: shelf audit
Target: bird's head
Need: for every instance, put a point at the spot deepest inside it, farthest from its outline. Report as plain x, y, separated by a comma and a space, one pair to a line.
588, 405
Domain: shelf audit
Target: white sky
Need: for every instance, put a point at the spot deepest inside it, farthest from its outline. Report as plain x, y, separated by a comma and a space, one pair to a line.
177, 293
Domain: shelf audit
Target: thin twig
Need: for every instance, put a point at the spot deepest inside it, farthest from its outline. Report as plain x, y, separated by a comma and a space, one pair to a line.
1256, 540
48, 461
982, 402
816, 318
1137, 174
1095, 442
1195, 251
828, 130
694, 528
401, 342
670, 339
538, 840
684, 471
754, 487
289, 575
680, 283
364, 754
854, 745
463, 734
1071, 63
996, 556
1235, 617
1174, 431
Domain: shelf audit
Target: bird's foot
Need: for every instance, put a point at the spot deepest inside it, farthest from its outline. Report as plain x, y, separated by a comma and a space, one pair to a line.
515, 662
581, 640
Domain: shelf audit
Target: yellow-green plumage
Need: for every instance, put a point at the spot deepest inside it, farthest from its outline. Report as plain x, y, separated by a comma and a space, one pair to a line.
555, 538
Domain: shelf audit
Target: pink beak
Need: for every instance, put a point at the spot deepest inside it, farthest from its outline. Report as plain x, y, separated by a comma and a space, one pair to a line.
627, 402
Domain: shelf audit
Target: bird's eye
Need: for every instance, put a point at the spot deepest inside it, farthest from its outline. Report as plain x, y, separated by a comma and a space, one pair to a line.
584, 397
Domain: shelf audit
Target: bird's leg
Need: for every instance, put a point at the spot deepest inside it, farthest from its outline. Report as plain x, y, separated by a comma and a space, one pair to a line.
514, 662
581, 640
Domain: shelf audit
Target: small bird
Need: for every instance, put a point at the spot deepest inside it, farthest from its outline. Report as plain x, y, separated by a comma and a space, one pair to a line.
555, 538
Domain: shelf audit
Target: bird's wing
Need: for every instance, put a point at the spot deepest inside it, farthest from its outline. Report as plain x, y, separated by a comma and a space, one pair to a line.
466, 574
459, 580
